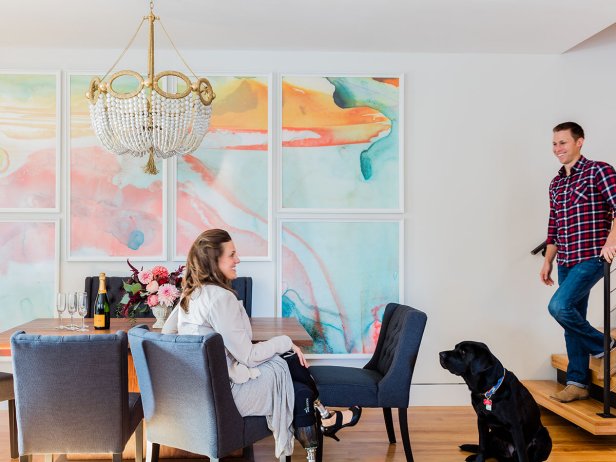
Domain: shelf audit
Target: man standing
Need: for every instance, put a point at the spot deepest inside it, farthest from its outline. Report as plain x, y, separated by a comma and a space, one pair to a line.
582, 206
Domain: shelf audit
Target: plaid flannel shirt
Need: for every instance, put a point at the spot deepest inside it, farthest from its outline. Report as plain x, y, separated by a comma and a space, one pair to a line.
582, 208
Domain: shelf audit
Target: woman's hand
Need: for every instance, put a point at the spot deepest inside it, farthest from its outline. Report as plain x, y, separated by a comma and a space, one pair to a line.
300, 355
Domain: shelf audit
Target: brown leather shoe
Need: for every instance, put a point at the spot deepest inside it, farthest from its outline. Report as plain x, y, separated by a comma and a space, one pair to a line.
570, 393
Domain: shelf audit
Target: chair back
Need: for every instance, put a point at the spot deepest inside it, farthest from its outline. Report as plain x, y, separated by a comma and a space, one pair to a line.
185, 390
115, 292
396, 353
243, 289
71, 393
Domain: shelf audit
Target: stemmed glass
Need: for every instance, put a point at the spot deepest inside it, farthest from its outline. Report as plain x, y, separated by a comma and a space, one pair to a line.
82, 308
60, 307
72, 309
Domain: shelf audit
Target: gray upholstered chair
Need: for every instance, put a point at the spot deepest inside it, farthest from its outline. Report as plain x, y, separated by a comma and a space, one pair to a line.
385, 381
7, 394
71, 395
187, 399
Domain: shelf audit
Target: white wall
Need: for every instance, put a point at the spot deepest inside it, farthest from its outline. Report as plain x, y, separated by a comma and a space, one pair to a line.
478, 162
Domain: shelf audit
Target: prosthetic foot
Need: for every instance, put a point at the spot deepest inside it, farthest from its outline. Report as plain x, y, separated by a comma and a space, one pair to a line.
308, 438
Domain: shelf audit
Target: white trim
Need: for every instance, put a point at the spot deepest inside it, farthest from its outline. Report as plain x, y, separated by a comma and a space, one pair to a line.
58, 144
401, 150
67, 170
247, 258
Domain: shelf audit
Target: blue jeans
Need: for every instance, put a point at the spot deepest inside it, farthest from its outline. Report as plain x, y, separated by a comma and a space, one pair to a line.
568, 306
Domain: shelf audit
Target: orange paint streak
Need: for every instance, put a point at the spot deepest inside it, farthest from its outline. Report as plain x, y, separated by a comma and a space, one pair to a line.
303, 107
390, 81
336, 136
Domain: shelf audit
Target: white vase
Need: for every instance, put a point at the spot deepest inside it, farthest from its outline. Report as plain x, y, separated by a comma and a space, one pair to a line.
161, 313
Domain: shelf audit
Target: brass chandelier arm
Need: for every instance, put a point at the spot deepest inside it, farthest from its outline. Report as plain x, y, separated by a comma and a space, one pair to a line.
128, 95
166, 94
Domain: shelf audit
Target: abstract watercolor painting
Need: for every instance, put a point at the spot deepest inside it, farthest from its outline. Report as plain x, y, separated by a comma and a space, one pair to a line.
116, 210
225, 183
336, 279
28, 271
29, 142
341, 145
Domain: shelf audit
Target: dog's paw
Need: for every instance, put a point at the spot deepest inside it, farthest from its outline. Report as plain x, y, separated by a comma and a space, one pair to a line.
475, 458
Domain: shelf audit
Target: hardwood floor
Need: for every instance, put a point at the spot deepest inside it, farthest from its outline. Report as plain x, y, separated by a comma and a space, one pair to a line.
435, 434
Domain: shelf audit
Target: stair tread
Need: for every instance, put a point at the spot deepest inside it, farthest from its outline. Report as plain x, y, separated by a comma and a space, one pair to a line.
581, 413
560, 362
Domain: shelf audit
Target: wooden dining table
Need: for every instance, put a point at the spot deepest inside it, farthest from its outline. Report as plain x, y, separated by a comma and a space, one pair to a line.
262, 329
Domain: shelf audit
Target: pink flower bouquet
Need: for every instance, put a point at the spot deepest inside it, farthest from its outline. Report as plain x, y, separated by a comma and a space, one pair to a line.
146, 289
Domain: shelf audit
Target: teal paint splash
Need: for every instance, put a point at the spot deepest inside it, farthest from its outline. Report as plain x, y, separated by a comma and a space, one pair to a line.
367, 92
135, 240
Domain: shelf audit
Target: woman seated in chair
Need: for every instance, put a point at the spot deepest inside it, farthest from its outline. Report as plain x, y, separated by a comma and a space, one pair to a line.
268, 378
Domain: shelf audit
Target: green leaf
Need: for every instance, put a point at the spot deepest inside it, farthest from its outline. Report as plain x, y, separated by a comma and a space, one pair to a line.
132, 288
125, 299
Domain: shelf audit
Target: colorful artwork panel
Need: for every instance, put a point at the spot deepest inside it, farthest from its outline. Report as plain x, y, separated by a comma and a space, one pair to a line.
225, 183
28, 271
341, 143
337, 278
29, 142
116, 210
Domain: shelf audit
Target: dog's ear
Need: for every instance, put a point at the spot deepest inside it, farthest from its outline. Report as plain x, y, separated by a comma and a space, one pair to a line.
483, 359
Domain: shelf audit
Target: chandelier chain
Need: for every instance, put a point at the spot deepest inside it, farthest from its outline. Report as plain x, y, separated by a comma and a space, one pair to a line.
176, 50
125, 49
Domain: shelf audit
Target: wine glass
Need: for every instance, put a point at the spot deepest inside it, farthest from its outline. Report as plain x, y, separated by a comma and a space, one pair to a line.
82, 308
60, 307
72, 309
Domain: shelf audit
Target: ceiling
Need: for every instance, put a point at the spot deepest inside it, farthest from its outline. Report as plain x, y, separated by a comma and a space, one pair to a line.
430, 26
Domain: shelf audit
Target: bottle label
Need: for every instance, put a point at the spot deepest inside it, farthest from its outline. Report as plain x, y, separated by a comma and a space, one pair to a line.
99, 320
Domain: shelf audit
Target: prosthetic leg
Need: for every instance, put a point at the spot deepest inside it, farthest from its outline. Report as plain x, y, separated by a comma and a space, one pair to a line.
305, 420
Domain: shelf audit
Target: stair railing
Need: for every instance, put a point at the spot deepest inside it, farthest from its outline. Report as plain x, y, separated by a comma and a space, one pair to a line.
607, 341
607, 338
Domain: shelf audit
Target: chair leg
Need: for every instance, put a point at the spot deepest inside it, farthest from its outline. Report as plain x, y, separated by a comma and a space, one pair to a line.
139, 442
116, 457
27, 458
320, 438
404, 432
153, 451
48, 458
389, 425
248, 453
13, 430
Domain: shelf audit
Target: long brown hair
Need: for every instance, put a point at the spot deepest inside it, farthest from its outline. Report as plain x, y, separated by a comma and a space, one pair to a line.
202, 264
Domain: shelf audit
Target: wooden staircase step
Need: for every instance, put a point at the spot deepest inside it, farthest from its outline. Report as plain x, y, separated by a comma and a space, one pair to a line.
560, 362
581, 413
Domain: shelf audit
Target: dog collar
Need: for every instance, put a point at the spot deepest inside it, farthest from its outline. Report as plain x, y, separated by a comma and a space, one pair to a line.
487, 402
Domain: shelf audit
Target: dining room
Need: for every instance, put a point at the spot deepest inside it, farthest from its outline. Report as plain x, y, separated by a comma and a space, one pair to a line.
358, 155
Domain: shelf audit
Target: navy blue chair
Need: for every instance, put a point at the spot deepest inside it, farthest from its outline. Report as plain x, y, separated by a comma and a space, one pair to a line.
243, 291
71, 395
187, 398
8, 394
384, 382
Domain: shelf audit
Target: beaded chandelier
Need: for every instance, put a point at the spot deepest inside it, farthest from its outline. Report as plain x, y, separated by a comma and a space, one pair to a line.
148, 119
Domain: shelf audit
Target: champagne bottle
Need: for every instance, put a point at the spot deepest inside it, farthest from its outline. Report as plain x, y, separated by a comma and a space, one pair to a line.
102, 313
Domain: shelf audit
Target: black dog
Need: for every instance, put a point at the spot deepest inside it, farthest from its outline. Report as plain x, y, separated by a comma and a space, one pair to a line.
508, 417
